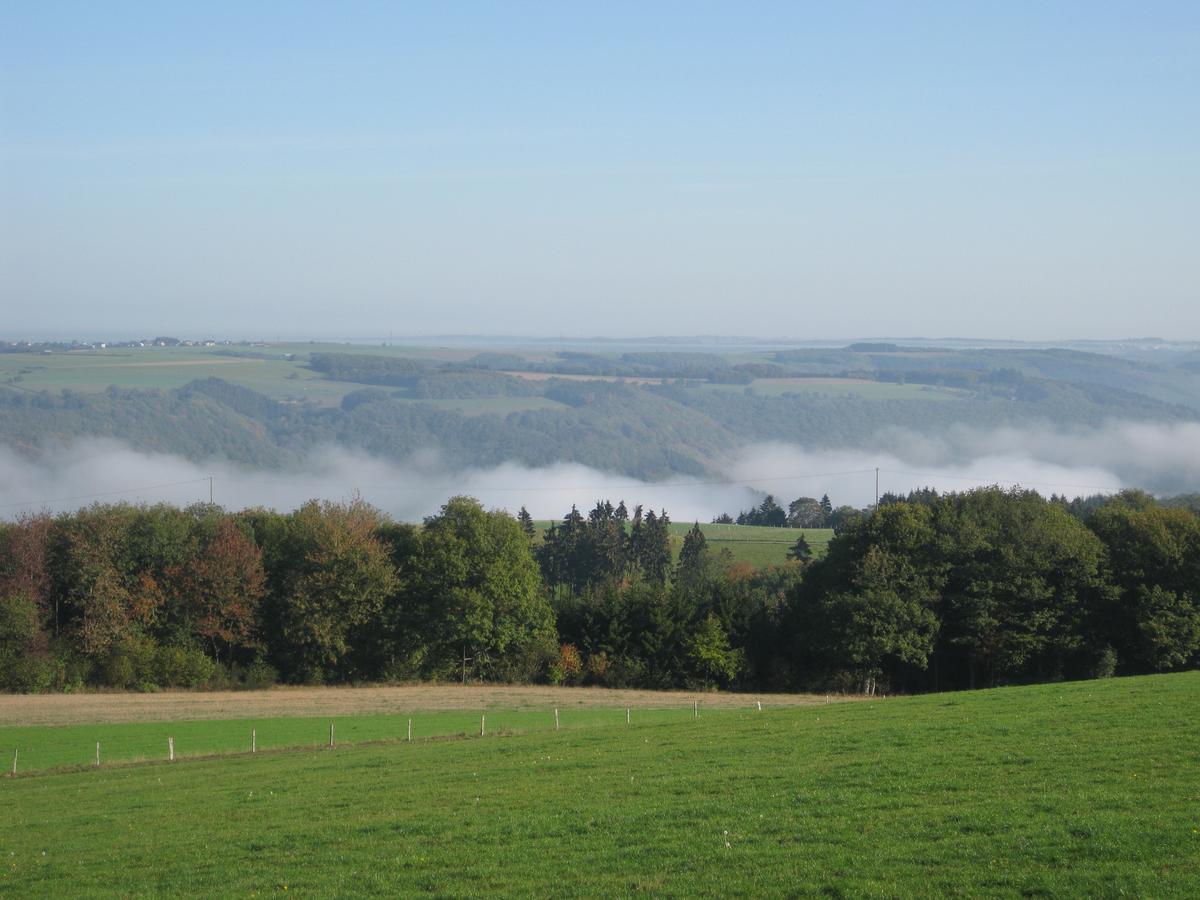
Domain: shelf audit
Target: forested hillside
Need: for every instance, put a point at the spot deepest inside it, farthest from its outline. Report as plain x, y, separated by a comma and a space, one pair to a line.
644, 414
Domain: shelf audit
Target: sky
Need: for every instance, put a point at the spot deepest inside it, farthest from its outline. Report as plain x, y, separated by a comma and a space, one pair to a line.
1022, 170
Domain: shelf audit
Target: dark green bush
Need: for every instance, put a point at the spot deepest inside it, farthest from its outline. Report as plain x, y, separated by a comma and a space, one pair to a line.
260, 675
184, 667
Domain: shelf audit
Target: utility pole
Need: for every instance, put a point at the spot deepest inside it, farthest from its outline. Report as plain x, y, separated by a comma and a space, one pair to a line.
210, 490
877, 487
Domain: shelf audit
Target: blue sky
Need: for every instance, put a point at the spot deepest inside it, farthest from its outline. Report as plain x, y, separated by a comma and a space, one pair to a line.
1017, 170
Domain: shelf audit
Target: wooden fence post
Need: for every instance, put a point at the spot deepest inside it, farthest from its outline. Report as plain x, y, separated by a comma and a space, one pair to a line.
695, 709
171, 749
253, 740
97, 754
410, 729
330, 735
14, 762
482, 723
627, 715
556, 718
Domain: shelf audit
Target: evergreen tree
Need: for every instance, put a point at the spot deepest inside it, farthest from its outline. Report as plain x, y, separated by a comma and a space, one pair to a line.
693, 556
800, 550
526, 521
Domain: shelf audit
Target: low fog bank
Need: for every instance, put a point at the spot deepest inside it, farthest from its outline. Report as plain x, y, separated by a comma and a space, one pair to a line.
106, 471
1159, 458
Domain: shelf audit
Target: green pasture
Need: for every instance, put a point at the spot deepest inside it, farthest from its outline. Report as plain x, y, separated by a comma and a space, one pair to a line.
478, 406
53, 747
834, 387
757, 545
167, 368
1081, 789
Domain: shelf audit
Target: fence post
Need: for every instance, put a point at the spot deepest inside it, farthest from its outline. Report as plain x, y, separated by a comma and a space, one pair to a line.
410, 729
330, 735
14, 762
171, 749
556, 718
97, 754
253, 740
627, 715
482, 723
695, 709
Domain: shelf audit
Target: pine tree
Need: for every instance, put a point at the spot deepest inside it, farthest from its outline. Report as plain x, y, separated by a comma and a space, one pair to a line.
800, 550
526, 521
692, 556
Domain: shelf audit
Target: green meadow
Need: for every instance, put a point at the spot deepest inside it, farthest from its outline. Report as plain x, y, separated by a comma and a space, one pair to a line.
1078, 789
840, 387
269, 371
757, 545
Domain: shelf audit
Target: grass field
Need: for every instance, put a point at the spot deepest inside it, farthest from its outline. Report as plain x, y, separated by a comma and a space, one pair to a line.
754, 544
270, 372
1069, 789
841, 387
166, 368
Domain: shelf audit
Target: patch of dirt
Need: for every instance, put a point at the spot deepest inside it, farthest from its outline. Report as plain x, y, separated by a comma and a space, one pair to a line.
71, 709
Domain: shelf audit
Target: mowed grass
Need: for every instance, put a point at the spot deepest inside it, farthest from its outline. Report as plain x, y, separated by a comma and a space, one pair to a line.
41, 748
1084, 789
756, 545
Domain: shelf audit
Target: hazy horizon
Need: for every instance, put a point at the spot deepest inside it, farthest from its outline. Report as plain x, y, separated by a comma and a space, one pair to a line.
1011, 172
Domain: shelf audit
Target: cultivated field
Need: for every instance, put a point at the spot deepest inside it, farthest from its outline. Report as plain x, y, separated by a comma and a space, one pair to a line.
1084, 789
268, 370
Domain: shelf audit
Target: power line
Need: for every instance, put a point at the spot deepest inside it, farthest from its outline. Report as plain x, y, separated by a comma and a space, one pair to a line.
412, 488
999, 481
645, 485
135, 490
654, 485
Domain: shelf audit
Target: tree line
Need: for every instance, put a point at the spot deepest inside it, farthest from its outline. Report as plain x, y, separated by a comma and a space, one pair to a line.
803, 512
925, 592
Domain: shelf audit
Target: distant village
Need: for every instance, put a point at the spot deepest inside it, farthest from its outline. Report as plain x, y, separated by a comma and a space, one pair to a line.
48, 347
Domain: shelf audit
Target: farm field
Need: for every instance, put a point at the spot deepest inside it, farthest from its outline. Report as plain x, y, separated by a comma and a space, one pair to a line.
285, 701
757, 545
267, 369
1086, 788
169, 368
841, 387
62, 730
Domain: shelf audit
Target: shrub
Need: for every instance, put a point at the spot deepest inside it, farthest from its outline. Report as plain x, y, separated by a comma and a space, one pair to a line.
598, 666
26, 673
569, 663
528, 662
183, 667
260, 675
130, 661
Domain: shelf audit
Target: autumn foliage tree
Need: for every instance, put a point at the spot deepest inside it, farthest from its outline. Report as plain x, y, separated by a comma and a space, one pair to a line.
219, 591
333, 574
